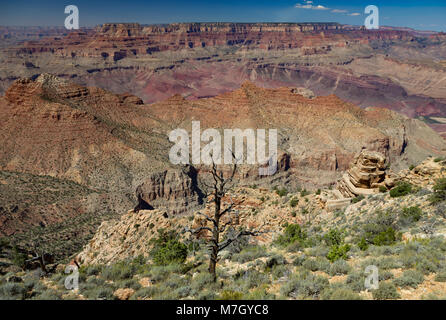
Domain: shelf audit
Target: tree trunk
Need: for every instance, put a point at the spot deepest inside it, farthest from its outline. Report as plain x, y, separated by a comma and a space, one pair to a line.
215, 240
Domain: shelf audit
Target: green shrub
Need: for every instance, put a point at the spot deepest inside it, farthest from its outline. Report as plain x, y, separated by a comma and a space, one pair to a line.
293, 233
18, 258
409, 278
386, 291
438, 159
333, 237
294, 202
230, 295
358, 199
282, 192
387, 237
363, 245
402, 189
167, 249
382, 189
338, 252
439, 194
380, 231
411, 167
411, 214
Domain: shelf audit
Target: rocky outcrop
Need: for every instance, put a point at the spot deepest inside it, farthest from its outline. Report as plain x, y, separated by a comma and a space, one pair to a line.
127, 237
367, 174
175, 191
426, 173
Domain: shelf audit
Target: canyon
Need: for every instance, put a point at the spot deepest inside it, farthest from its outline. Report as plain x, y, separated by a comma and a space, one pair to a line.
399, 69
86, 114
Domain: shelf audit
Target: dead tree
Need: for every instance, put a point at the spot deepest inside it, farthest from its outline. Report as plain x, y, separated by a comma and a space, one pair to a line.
217, 191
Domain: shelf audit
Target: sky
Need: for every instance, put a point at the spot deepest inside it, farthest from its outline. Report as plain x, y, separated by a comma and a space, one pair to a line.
420, 15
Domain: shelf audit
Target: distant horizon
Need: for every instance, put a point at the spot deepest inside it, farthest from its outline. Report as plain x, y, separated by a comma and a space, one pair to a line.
430, 15
204, 22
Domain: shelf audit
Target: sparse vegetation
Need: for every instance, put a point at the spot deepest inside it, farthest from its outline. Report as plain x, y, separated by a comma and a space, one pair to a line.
402, 189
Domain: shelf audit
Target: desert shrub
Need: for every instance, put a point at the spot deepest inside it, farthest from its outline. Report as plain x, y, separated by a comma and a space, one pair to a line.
409, 278
411, 214
387, 263
385, 275
144, 293
282, 192
230, 295
382, 189
318, 251
207, 295
280, 271
380, 231
99, 293
235, 246
159, 273
130, 283
258, 294
51, 295
356, 281
18, 258
119, 271
386, 291
340, 294
338, 252
275, 260
299, 260
438, 159
201, 281
12, 291
294, 202
317, 264
304, 193
387, 237
362, 244
167, 249
358, 199
402, 189
427, 264
293, 233
305, 285
93, 270
439, 194
339, 267
249, 254
441, 276
250, 279
411, 167
183, 292
333, 237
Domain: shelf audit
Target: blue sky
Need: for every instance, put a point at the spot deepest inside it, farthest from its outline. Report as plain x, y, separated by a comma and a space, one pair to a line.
422, 15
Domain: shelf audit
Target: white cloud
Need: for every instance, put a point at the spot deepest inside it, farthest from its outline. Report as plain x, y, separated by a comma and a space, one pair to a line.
354, 14
339, 11
310, 6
